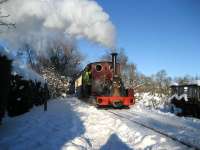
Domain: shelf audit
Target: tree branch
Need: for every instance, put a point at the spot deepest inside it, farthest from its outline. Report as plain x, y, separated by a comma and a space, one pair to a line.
138, 86
3, 1
4, 16
2, 22
8, 25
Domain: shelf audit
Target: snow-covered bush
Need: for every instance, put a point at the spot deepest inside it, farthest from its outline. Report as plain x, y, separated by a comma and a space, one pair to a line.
155, 102
20, 87
58, 85
24, 94
150, 101
5, 67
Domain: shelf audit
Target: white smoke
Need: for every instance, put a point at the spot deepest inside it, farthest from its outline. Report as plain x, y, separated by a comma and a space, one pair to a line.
40, 22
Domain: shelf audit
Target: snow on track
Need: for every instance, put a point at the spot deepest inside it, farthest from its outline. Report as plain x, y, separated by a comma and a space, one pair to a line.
176, 133
103, 128
70, 124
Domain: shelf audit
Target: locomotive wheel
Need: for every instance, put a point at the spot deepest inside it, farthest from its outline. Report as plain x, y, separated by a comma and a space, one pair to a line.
126, 107
97, 105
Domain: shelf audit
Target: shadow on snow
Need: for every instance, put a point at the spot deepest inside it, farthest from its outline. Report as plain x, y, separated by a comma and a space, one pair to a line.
41, 130
114, 142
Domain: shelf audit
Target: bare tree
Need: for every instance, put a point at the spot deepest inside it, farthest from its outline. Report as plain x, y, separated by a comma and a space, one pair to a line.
162, 83
66, 62
3, 17
184, 80
156, 85
129, 76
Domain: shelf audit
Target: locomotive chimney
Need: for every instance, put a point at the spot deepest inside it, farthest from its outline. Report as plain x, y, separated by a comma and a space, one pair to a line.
114, 63
116, 82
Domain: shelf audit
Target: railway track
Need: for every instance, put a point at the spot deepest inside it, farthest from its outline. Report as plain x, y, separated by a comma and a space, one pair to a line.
127, 115
164, 121
145, 125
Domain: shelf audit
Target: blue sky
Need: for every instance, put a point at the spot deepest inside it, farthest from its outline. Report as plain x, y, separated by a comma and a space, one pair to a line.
156, 34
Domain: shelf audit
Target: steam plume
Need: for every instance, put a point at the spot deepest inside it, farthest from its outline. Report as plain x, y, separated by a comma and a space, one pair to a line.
39, 22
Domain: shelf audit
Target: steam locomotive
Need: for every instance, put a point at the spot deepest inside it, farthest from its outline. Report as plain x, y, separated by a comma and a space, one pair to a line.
100, 84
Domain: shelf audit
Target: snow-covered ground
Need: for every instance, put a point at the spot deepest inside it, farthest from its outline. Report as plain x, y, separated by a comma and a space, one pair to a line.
72, 124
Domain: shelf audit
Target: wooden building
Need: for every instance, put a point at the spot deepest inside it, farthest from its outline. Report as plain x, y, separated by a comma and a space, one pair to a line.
187, 97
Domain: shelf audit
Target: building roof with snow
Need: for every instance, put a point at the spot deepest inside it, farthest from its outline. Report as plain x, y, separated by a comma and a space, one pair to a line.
191, 83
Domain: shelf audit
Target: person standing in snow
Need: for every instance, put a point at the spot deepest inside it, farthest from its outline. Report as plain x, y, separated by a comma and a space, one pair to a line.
87, 81
45, 96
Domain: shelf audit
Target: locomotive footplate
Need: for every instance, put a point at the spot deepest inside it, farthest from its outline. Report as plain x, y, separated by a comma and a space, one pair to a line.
115, 101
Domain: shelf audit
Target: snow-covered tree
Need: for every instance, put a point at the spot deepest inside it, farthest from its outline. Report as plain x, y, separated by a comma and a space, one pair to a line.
184, 80
59, 67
